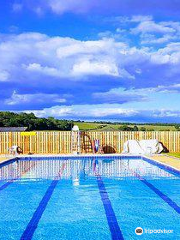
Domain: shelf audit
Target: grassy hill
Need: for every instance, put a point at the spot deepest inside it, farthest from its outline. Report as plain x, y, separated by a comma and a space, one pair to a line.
85, 126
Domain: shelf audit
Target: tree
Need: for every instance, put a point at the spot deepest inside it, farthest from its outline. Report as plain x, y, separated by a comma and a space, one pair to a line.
135, 128
29, 120
177, 127
125, 128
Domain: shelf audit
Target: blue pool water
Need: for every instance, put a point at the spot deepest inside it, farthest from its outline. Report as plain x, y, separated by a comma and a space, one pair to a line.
95, 198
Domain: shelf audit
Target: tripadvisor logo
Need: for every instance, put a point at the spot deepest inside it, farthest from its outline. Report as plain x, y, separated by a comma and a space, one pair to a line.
139, 231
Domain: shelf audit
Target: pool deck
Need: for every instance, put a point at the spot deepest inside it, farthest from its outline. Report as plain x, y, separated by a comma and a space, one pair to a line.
168, 160
162, 158
3, 159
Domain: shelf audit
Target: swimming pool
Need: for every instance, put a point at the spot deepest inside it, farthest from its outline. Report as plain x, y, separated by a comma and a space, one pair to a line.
88, 198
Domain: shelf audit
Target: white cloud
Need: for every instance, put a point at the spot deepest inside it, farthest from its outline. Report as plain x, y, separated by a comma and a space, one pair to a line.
37, 61
4, 75
119, 95
101, 111
141, 18
63, 6
36, 67
78, 111
56, 6
16, 98
172, 88
107, 111
13, 29
152, 32
167, 55
94, 67
65, 57
150, 26
53, 111
153, 39
17, 7
88, 48
166, 113
39, 11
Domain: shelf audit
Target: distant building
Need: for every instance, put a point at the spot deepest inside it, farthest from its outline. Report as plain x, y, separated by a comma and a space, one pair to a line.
13, 129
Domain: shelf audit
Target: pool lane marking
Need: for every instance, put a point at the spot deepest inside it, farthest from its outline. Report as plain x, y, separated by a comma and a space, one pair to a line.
5, 185
164, 197
33, 223
116, 233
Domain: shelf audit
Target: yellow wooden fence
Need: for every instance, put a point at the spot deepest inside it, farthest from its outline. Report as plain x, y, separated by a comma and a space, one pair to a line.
44, 142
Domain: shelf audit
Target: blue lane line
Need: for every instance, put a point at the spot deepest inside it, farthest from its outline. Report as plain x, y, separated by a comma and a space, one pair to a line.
7, 162
164, 197
32, 225
116, 233
5, 185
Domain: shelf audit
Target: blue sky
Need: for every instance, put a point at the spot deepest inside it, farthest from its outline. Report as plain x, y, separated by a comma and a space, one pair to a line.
92, 60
